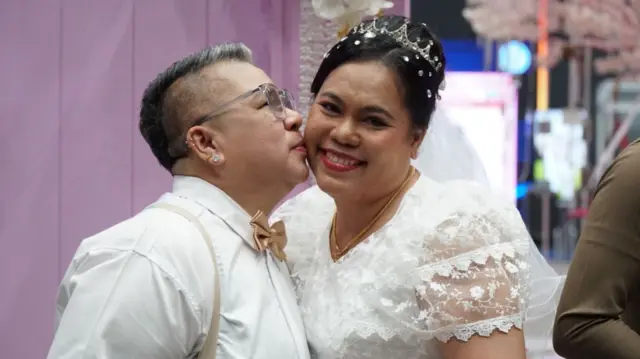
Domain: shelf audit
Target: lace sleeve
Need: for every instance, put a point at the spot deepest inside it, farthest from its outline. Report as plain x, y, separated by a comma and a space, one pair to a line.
476, 281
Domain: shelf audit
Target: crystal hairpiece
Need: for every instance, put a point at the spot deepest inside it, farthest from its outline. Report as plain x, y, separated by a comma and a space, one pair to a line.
402, 37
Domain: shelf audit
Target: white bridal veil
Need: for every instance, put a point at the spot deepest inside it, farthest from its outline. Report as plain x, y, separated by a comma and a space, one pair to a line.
447, 154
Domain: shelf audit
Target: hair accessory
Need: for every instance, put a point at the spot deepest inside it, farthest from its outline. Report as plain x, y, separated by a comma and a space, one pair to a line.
402, 37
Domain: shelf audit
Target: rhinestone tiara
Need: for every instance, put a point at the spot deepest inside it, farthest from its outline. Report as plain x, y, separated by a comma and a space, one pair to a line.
402, 37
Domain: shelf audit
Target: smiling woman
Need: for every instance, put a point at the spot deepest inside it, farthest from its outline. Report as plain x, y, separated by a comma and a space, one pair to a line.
436, 269
361, 139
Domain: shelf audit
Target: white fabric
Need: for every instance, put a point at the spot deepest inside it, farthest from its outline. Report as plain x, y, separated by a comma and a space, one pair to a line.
447, 154
455, 261
143, 288
451, 263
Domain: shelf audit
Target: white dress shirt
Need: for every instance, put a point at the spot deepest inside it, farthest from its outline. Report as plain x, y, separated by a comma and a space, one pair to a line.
144, 287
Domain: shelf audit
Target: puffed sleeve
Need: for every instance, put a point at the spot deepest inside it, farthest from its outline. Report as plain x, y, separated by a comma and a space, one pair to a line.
476, 278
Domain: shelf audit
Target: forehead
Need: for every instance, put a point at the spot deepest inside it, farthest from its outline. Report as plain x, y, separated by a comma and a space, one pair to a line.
240, 76
365, 83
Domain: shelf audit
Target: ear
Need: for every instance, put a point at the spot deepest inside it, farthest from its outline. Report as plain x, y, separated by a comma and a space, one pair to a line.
417, 136
205, 144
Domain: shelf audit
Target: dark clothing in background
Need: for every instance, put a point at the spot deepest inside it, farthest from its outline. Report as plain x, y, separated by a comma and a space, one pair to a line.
599, 311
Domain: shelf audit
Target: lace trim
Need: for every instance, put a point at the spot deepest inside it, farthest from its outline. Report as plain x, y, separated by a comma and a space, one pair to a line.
479, 256
483, 328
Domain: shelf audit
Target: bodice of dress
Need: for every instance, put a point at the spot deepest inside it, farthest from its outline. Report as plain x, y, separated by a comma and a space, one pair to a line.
449, 264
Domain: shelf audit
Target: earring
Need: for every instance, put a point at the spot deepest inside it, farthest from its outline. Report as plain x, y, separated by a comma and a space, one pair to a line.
215, 158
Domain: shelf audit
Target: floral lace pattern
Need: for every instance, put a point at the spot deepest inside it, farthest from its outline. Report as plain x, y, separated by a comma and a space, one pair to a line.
450, 264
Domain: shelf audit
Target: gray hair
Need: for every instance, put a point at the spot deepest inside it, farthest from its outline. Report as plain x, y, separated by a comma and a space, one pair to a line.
159, 120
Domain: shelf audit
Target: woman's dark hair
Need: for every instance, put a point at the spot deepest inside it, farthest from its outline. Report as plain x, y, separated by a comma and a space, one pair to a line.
417, 76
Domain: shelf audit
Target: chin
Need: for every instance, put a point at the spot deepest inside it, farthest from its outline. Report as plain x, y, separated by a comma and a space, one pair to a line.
333, 186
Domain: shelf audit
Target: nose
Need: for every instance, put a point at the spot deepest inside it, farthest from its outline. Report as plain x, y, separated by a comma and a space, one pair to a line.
345, 133
293, 120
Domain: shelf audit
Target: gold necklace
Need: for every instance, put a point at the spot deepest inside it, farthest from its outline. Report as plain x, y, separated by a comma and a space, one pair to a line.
336, 252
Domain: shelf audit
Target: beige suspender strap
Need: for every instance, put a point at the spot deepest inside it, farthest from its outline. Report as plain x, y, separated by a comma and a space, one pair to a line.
210, 345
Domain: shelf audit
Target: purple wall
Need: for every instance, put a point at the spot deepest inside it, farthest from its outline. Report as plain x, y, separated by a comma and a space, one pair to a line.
73, 162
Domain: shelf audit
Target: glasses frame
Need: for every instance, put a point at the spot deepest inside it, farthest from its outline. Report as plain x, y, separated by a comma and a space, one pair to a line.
180, 146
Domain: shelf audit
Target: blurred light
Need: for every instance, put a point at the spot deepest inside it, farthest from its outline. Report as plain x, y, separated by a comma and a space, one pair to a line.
522, 189
542, 72
514, 57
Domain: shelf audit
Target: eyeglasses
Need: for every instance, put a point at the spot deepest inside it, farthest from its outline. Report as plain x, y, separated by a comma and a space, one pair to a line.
278, 100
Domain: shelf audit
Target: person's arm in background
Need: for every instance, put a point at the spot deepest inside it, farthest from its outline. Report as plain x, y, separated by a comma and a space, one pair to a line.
120, 304
604, 270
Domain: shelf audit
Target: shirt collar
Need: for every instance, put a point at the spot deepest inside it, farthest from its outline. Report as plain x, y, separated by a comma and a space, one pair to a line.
217, 202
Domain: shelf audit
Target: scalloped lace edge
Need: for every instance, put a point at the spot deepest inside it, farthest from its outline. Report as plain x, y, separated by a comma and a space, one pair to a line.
479, 256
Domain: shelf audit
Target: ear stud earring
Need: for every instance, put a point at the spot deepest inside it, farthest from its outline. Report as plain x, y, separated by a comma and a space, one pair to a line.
215, 158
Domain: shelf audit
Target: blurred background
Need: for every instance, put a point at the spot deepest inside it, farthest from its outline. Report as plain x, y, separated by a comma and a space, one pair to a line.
546, 91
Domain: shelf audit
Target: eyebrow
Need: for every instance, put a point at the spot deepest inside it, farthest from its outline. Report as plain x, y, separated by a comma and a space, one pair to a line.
366, 109
332, 96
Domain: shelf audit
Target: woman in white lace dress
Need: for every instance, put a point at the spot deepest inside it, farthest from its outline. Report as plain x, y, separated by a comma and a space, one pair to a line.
387, 262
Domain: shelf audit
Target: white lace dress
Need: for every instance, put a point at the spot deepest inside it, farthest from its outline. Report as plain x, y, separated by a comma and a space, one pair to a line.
450, 263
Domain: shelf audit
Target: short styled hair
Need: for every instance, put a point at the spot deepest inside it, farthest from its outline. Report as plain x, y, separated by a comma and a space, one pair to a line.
163, 106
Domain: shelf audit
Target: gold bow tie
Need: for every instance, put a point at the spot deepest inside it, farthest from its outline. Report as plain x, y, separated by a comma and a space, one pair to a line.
273, 237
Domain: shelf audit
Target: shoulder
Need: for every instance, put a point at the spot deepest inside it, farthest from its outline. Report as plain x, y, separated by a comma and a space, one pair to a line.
621, 179
614, 212
150, 233
166, 241
462, 198
483, 211
306, 212
463, 216
124, 258
313, 198
628, 159
114, 287
306, 217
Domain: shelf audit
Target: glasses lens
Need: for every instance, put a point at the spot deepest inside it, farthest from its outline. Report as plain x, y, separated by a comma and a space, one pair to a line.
274, 101
287, 100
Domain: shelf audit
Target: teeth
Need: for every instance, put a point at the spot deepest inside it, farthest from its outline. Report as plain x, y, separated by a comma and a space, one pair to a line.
341, 161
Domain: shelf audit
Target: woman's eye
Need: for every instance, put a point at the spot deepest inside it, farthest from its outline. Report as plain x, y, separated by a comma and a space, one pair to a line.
329, 107
375, 122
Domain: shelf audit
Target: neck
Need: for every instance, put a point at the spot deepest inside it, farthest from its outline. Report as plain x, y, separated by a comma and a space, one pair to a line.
251, 200
353, 216
251, 197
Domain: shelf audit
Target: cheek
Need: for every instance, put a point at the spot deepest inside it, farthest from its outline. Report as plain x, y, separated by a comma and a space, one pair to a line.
278, 137
389, 151
315, 129
309, 134
267, 139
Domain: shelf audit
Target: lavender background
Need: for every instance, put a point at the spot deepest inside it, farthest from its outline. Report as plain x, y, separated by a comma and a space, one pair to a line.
73, 162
